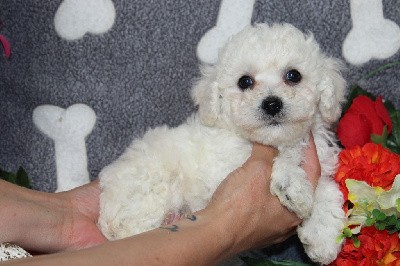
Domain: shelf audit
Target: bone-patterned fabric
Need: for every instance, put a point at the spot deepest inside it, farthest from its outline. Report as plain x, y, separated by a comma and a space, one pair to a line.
129, 65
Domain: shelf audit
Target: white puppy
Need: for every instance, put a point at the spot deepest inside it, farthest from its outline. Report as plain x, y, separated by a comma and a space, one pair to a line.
272, 85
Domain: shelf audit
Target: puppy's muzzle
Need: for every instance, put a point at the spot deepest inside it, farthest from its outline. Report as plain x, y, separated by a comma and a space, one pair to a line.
272, 105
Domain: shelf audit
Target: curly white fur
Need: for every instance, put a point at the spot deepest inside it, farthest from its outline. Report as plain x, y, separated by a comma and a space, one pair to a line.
174, 167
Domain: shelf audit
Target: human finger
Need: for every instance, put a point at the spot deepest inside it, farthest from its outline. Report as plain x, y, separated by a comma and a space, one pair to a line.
263, 152
311, 164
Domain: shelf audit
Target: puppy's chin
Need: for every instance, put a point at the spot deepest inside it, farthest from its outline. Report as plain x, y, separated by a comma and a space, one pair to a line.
277, 134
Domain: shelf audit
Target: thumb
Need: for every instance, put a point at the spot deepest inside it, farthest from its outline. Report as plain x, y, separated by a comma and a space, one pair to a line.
263, 153
311, 164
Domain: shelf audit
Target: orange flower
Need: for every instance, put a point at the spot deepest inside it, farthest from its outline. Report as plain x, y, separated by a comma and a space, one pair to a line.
377, 248
349, 255
372, 163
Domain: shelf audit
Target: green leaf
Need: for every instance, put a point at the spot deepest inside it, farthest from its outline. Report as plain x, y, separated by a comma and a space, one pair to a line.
380, 226
391, 220
375, 212
381, 217
340, 238
356, 242
398, 225
22, 178
389, 106
380, 139
398, 204
347, 232
7, 176
393, 141
369, 221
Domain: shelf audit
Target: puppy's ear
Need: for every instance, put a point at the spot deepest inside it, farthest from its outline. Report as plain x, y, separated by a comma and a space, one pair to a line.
332, 89
206, 96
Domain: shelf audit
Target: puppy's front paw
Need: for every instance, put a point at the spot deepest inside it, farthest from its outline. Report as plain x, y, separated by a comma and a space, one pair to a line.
323, 252
293, 190
319, 238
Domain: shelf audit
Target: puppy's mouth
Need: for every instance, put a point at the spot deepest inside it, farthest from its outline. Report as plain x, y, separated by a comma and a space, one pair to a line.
274, 123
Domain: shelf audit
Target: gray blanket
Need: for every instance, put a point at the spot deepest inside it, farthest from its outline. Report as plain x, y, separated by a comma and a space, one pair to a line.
123, 66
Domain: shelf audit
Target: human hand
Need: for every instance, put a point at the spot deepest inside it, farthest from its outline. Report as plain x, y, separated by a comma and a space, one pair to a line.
50, 222
79, 228
255, 217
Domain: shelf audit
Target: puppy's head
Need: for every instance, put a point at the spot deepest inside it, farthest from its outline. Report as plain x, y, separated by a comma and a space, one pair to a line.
269, 85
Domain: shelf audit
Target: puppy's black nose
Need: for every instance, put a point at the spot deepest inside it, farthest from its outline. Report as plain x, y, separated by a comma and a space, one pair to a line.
272, 105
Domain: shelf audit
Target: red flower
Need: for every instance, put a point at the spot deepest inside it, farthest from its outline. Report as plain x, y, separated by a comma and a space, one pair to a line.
377, 248
349, 255
363, 118
372, 163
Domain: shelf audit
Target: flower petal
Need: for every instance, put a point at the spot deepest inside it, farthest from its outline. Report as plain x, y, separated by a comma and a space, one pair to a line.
354, 130
387, 199
383, 114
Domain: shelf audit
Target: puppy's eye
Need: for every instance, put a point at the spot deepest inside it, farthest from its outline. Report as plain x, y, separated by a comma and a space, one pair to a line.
292, 77
245, 82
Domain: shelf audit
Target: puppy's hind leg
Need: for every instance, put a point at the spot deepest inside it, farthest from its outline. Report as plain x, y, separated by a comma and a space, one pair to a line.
319, 232
134, 200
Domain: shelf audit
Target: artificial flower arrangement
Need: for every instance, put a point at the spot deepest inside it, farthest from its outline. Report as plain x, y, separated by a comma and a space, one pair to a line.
368, 174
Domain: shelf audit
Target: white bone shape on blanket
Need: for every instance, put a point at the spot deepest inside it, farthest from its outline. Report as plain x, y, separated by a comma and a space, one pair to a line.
68, 129
233, 16
75, 18
372, 36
